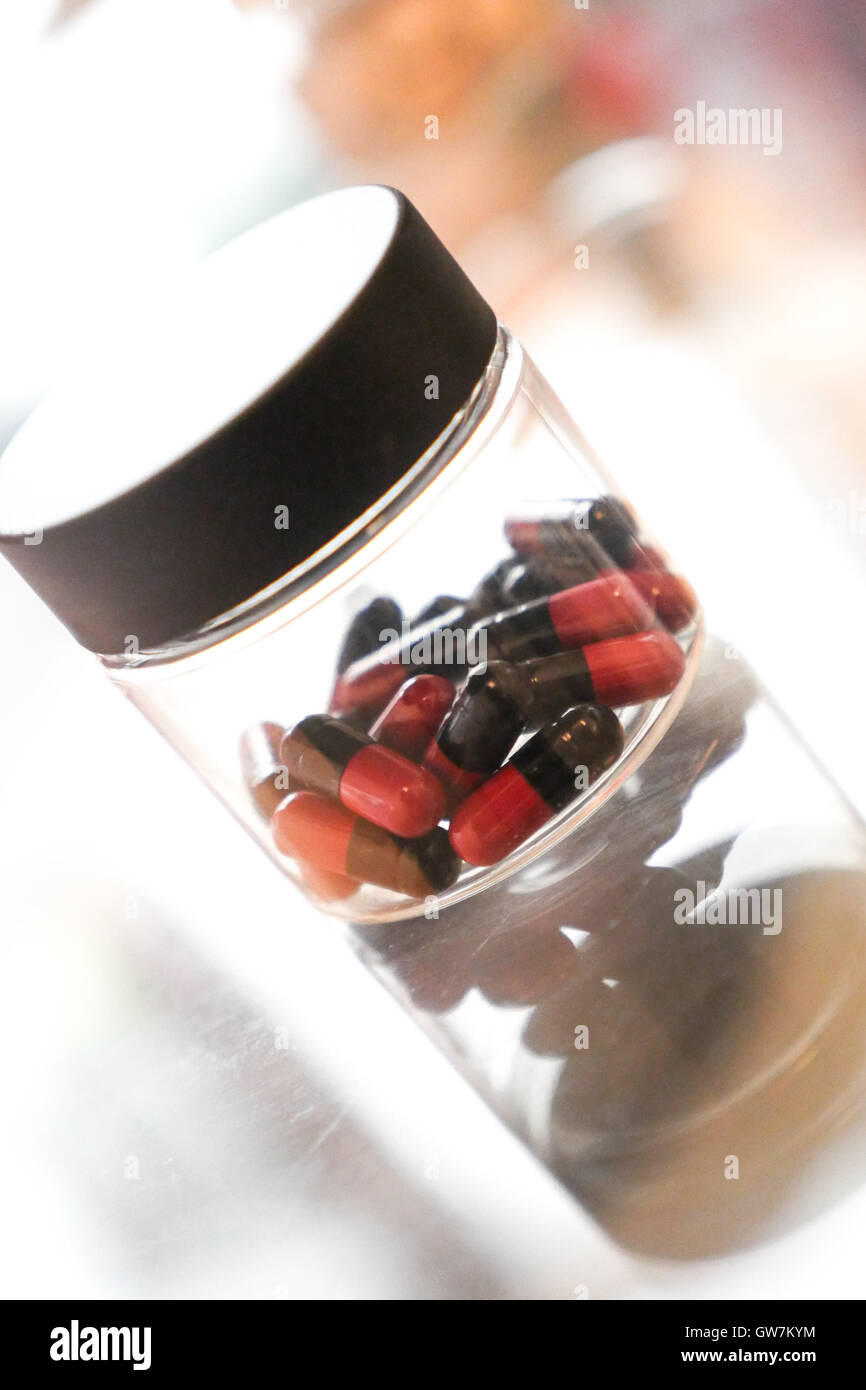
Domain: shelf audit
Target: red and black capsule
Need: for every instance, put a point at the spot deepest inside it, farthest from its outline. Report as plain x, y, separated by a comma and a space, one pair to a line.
266, 777
540, 779
435, 647
550, 573
507, 585
584, 531
480, 728
321, 834
329, 756
618, 672
533, 578
518, 580
607, 607
487, 596
363, 634
441, 604
529, 580
496, 703
673, 598
413, 716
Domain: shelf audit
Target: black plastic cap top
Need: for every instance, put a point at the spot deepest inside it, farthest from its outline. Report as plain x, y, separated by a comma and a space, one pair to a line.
297, 374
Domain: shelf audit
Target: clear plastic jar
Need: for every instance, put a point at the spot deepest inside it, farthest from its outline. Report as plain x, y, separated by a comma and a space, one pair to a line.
331, 419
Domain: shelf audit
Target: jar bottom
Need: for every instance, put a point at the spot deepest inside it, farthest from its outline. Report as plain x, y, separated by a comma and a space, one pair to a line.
668, 1008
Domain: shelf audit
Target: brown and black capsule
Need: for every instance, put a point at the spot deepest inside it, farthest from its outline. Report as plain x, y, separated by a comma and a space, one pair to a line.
322, 834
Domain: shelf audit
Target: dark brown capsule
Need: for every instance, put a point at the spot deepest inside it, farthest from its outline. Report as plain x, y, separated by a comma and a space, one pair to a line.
266, 776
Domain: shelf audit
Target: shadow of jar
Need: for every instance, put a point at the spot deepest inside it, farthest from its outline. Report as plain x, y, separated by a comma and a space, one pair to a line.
678, 1076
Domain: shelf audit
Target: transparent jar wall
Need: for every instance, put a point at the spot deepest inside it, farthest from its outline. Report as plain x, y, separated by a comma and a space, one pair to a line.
276, 662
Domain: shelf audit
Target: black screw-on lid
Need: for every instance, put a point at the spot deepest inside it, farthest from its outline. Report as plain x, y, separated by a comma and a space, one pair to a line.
307, 367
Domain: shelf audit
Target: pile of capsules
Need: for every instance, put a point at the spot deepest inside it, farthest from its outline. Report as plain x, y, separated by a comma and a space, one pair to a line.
413, 772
